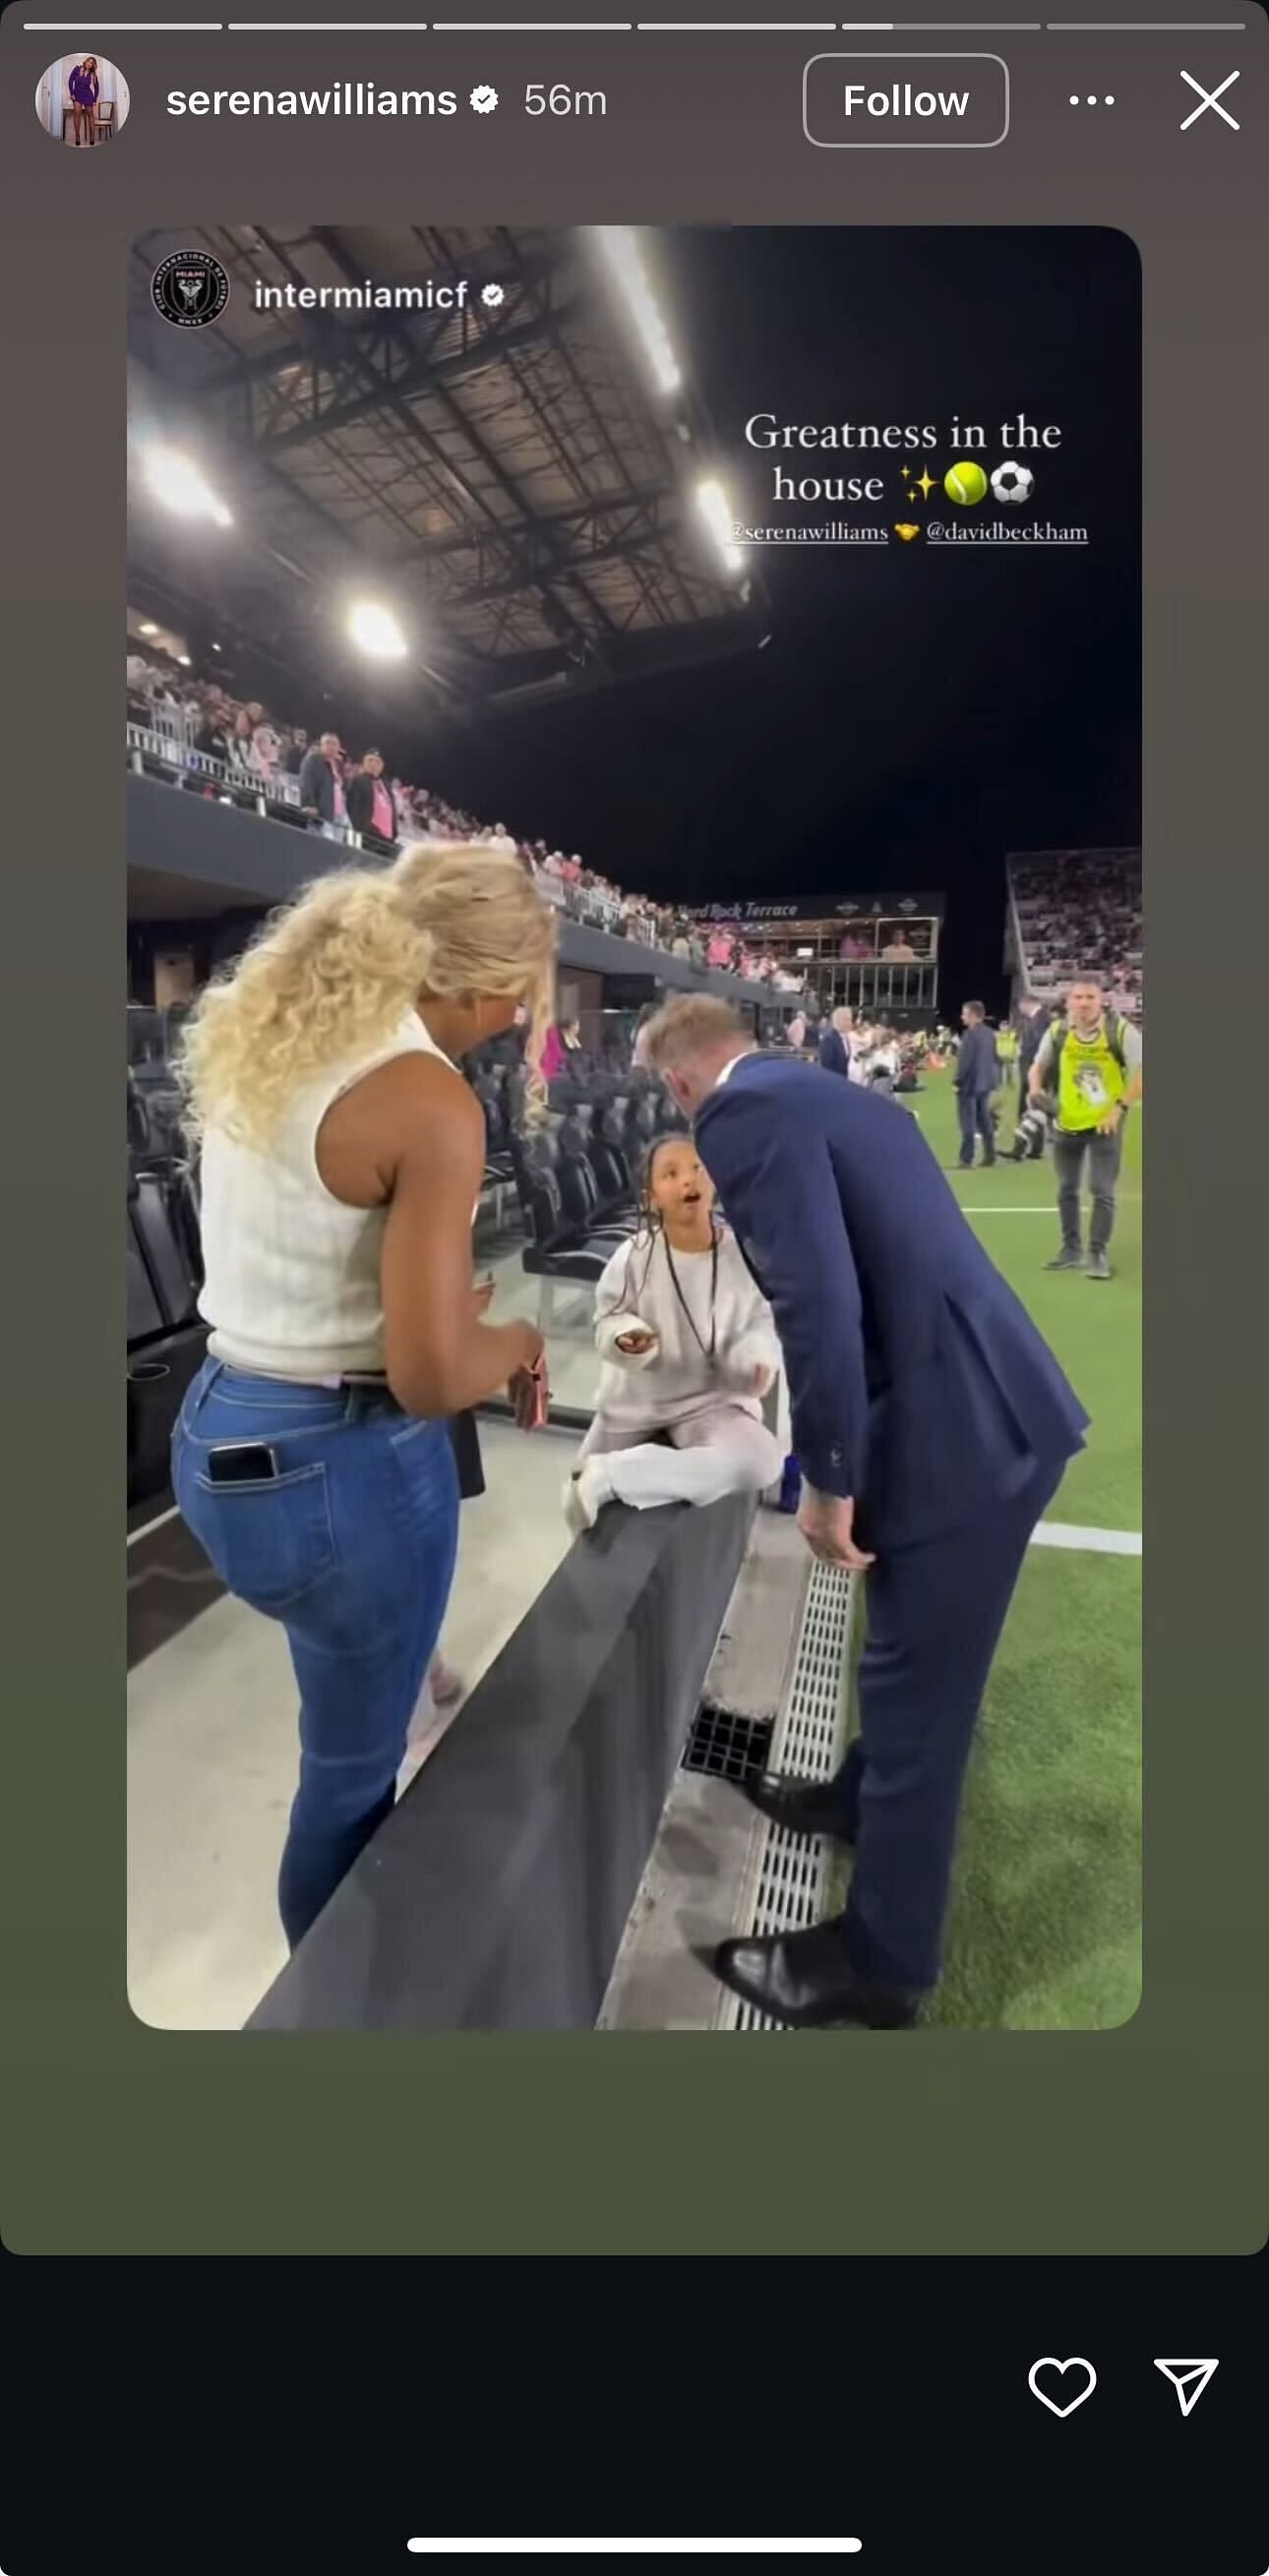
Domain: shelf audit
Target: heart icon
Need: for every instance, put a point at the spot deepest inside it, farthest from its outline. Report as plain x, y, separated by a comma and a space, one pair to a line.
1059, 2369
904, 528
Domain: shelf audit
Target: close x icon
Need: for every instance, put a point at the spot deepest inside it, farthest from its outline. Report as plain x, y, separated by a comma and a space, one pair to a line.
1210, 98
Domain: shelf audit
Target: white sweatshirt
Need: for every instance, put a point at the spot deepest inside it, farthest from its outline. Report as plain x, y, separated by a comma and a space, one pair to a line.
675, 1380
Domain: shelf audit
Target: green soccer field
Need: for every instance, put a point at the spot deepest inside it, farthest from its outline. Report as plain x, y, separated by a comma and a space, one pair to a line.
1045, 1925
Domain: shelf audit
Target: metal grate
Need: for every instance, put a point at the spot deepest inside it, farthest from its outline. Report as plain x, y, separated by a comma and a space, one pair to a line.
790, 1882
726, 1746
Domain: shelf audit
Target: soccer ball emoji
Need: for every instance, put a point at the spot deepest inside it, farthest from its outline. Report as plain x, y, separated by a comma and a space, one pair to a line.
1012, 483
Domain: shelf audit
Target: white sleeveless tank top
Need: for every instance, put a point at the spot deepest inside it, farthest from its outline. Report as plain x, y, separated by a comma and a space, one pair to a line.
291, 1275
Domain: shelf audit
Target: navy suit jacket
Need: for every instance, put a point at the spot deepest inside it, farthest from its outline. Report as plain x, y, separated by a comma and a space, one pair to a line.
917, 1380
834, 1052
977, 1063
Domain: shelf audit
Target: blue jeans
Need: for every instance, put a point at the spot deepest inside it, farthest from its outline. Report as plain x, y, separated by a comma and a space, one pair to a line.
351, 1548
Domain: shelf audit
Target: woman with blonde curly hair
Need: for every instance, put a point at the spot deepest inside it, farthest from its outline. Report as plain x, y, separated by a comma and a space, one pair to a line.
342, 1156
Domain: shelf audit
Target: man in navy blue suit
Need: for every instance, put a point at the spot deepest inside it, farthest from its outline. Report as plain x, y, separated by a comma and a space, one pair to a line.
977, 1076
835, 1042
932, 1425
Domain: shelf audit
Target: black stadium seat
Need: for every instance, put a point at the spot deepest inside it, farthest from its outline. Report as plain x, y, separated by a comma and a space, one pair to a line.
139, 1136
160, 1096
166, 1338
610, 1167
514, 1086
165, 1248
640, 1127
145, 1315
557, 1198
500, 1168
608, 1192
607, 1128
579, 1198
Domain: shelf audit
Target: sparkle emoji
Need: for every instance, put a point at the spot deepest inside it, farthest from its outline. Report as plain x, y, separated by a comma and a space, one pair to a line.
905, 529
924, 482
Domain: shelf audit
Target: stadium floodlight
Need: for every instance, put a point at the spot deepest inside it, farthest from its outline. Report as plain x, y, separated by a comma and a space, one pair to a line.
176, 482
374, 630
621, 250
713, 504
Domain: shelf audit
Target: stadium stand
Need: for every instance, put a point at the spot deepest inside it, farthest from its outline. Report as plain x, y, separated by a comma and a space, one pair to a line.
1074, 911
189, 730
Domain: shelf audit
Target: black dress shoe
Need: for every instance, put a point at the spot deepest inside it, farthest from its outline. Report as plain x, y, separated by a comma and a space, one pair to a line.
805, 1980
803, 1806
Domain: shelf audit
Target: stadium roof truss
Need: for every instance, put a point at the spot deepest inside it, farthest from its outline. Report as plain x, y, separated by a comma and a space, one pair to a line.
502, 473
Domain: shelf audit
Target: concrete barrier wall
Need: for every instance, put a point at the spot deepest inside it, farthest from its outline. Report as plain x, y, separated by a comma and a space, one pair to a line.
497, 1892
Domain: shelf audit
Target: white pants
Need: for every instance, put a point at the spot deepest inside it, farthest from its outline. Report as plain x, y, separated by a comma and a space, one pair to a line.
724, 1451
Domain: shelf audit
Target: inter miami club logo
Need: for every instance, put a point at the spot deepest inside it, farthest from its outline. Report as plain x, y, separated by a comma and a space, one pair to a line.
191, 288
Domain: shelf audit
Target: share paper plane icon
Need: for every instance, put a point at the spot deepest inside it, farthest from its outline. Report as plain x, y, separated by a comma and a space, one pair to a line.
1189, 2378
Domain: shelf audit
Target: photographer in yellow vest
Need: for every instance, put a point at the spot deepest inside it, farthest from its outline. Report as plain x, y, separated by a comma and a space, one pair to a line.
1091, 1060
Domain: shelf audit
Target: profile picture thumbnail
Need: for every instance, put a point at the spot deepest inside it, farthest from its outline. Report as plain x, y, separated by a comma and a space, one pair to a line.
82, 100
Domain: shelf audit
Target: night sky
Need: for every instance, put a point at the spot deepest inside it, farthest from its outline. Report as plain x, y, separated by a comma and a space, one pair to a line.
914, 716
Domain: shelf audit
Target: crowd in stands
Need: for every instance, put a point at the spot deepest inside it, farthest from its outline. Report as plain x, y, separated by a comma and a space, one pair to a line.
337, 791
1078, 909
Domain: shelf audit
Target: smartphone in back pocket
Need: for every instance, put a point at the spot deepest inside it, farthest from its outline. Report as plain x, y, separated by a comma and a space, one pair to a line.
242, 1462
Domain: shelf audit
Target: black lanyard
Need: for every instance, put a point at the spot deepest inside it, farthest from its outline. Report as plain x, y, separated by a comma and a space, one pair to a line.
713, 1299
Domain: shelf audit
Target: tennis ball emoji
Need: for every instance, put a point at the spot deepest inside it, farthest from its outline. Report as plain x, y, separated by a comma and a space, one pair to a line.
965, 481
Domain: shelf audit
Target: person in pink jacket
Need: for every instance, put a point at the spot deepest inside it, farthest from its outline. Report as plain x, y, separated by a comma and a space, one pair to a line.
554, 1056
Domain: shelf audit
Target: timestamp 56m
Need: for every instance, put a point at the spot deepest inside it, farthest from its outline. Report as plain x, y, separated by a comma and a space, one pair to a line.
557, 99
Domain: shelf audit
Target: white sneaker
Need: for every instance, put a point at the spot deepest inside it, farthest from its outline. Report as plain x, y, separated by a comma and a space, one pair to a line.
582, 1500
